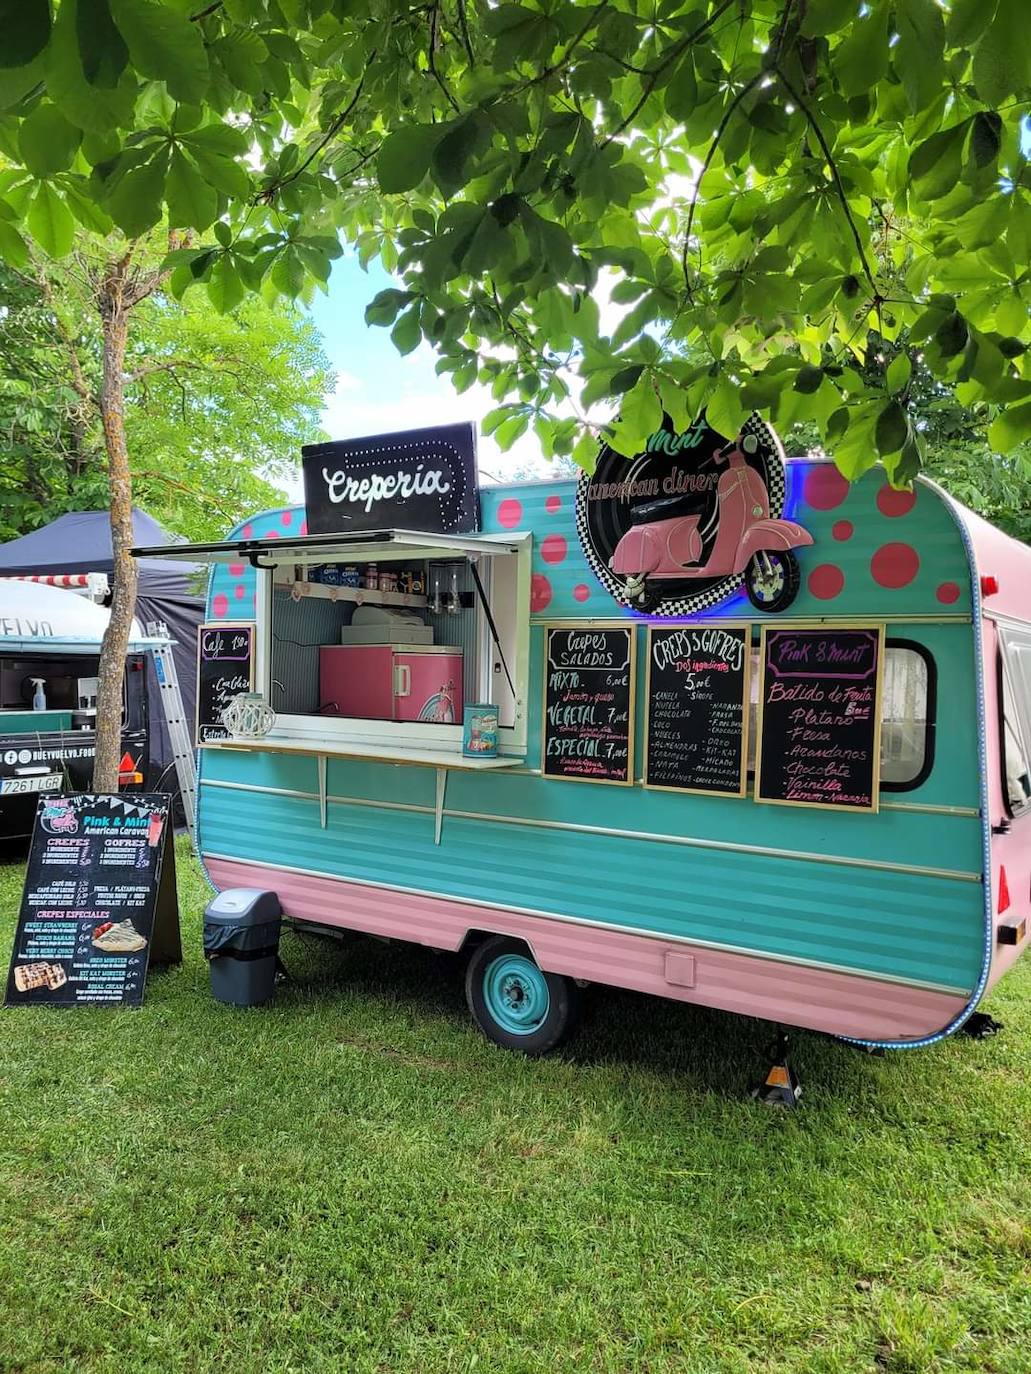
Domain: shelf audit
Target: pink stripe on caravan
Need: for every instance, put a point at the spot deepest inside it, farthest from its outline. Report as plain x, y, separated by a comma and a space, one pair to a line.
792, 994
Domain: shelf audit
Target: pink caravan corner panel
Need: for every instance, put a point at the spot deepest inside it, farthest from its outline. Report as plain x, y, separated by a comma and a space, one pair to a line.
789, 993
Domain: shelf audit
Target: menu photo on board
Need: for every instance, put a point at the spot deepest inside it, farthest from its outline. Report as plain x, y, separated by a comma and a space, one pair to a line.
588, 731
225, 668
99, 904
819, 735
697, 693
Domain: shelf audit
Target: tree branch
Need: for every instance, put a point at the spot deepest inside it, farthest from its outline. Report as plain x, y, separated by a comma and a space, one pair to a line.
836, 175
655, 72
721, 130
268, 195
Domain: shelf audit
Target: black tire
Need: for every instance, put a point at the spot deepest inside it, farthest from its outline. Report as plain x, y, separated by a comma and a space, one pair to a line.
548, 1020
786, 564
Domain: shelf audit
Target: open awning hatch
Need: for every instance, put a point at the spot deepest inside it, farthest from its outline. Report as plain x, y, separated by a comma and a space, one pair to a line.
368, 545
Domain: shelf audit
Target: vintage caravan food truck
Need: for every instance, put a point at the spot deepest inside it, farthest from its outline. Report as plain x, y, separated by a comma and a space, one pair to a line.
763, 737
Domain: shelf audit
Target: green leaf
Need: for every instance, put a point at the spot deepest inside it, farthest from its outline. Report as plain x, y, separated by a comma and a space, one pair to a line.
891, 429
899, 370
25, 25
404, 157
936, 163
102, 48
951, 335
407, 332
136, 203
624, 379
383, 308
90, 107
1002, 58
1012, 427
13, 248
166, 46
223, 233
50, 222
861, 60
47, 141
725, 409
985, 137
808, 379
224, 286
918, 53
967, 20
192, 203
824, 17
682, 91
453, 153
84, 207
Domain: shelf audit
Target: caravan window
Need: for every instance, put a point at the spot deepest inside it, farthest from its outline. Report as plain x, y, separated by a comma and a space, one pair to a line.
907, 715
1015, 710
383, 648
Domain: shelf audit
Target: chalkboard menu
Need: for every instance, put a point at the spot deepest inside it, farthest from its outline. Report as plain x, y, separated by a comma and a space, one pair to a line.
698, 708
99, 902
820, 717
589, 704
225, 667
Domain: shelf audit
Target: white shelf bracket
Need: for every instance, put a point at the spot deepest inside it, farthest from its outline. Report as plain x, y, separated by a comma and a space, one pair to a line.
438, 815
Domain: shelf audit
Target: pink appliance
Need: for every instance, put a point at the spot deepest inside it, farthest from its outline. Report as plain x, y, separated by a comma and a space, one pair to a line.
391, 682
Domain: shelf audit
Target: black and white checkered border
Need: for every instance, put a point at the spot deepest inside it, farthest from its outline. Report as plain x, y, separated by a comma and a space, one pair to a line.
716, 594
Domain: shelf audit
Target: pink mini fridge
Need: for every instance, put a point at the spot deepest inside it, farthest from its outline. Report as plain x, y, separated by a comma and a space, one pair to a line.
391, 682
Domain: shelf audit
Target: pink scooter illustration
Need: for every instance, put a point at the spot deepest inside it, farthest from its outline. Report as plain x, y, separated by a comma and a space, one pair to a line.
668, 547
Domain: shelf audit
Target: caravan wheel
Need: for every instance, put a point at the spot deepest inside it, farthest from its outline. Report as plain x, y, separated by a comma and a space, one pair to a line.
514, 1002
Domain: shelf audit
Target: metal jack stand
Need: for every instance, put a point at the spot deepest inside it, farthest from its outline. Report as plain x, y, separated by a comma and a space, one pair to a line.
979, 1026
780, 1087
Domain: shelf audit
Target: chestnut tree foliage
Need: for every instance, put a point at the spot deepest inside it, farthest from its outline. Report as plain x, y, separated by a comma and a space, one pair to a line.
632, 204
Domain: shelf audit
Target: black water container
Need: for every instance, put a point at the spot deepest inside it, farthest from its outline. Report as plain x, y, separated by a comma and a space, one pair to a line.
241, 944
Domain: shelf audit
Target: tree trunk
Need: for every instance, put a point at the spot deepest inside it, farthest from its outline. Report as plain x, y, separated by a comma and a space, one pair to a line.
115, 319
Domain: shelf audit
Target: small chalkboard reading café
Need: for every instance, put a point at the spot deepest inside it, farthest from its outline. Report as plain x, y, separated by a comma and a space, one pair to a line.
706, 723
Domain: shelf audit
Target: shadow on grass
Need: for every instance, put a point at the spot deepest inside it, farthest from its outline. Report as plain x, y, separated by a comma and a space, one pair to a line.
714, 1051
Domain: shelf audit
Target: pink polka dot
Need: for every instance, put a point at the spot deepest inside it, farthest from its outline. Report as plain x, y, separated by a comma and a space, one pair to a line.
843, 529
826, 582
247, 531
947, 593
271, 534
540, 592
894, 503
825, 487
220, 606
580, 592
894, 565
237, 569
552, 504
304, 527
510, 512
286, 519
554, 548
238, 591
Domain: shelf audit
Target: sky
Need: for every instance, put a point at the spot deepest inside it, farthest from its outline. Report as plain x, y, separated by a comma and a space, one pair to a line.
378, 390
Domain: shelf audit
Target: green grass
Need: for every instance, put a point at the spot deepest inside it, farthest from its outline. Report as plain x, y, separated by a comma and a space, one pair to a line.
355, 1180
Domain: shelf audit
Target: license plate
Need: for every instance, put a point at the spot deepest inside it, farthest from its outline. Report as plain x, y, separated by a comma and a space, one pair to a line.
43, 782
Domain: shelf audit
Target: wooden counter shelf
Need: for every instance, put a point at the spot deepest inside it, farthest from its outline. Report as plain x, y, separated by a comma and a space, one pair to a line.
440, 759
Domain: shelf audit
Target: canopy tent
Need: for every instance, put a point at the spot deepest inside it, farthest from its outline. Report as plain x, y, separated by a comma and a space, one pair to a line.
173, 592
34, 615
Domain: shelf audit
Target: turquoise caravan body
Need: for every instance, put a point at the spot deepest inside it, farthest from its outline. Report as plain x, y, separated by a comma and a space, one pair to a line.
883, 916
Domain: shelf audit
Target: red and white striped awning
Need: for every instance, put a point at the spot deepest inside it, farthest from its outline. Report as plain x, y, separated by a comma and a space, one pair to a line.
93, 584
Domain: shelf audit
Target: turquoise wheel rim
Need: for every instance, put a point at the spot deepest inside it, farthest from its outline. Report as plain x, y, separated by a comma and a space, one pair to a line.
516, 994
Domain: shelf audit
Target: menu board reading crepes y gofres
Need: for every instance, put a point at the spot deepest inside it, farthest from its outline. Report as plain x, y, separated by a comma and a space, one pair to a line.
225, 668
820, 714
697, 708
589, 704
99, 902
